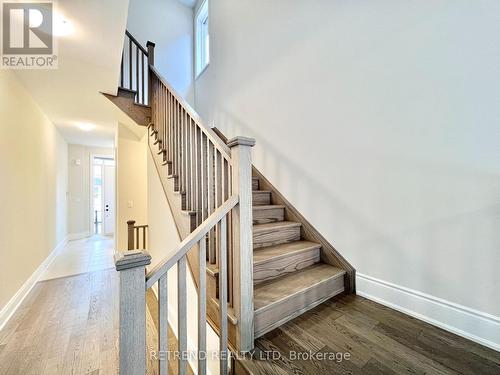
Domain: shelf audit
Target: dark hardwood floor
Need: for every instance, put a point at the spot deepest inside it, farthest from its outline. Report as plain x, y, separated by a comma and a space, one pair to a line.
367, 338
70, 325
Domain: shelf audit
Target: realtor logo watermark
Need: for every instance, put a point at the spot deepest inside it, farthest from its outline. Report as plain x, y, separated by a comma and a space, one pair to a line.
27, 36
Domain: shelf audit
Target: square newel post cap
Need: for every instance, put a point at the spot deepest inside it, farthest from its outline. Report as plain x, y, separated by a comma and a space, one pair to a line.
131, 259
149, 43
241, 141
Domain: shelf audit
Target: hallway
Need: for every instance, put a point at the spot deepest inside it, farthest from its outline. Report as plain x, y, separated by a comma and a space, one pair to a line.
68, 323
82, 256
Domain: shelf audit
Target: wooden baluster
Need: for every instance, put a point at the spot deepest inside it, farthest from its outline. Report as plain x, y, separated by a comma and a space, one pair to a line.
242, 240
137, 238
121, 69
178, 140
130, 234
164, 119
210, 201
217, 197
132, 339
163, 323
137, 73
192, 177
204, 178
130, 63
182, 314
187, 157
174, 141
223, 298
182, 164
202, 308
171, 131
143, 100
144, 240
198, 175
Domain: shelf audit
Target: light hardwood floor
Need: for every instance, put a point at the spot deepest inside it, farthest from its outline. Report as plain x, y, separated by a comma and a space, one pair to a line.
69, 325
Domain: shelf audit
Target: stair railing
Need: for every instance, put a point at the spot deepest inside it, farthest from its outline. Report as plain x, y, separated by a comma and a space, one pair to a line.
136, 236
134, 68
215, 182
133, 300
207, 172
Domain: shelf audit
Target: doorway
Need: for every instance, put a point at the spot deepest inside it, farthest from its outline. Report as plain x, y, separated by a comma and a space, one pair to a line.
103, 195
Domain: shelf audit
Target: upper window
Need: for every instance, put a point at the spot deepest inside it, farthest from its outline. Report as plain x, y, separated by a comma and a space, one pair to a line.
202, 39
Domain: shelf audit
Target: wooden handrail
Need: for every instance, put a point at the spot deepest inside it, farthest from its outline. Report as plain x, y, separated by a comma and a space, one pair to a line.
221, 146
136, 42
187, 244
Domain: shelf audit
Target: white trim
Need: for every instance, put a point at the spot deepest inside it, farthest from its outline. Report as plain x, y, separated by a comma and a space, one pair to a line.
10, 308
472, 324
78, 236
198, 43
92, 156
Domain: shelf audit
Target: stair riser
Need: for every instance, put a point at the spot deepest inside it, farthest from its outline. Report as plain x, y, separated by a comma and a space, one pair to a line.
255, 184
276, 236
261, 198
261, 216
277, 314
278, 267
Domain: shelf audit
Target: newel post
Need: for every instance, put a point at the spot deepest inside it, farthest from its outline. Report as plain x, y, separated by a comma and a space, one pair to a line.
242, 240
131, 265
130, 234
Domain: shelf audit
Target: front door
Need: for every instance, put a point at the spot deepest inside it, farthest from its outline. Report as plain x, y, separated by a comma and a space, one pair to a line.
109, 199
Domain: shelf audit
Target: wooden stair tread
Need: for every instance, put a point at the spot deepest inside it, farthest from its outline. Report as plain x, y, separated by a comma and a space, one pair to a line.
268, 253
267, 206
257, 228
284, 287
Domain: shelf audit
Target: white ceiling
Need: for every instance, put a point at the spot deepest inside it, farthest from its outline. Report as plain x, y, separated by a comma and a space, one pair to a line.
89, 63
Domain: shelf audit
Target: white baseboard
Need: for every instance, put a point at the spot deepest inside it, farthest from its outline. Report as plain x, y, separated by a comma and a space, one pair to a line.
474, 325
10, 308
78, 236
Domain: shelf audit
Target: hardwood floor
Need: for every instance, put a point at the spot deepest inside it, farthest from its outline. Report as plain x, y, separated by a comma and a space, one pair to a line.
65, 325
69, 325
379, 340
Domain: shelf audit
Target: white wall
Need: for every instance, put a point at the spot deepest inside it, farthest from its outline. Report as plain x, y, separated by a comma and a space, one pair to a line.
79, 187
169, 24
379, 121
131, 182
33, 188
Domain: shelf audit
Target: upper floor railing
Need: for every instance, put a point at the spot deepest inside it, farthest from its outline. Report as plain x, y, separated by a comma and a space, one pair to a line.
134, 72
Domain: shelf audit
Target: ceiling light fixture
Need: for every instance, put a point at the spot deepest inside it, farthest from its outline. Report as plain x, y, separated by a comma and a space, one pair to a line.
86, 127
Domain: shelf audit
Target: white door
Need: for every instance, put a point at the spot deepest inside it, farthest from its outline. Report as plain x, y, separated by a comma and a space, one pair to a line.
109, 199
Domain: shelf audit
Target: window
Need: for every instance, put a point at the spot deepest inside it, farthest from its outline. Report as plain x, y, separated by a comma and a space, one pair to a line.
202, 39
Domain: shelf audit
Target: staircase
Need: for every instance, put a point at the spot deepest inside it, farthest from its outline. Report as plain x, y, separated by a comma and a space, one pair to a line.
256, 262
289, 277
